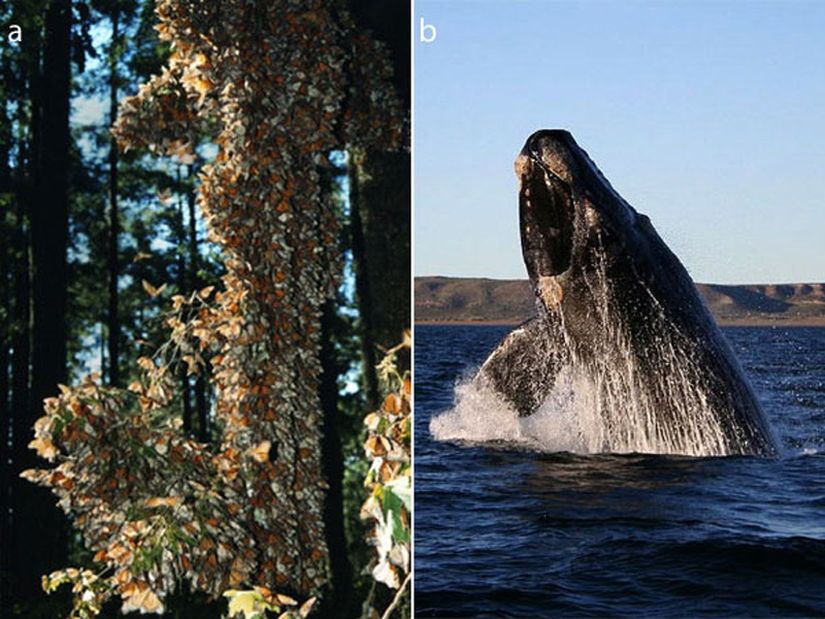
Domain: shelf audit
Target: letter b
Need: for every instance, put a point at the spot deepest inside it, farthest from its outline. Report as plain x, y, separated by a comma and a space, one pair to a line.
427, 33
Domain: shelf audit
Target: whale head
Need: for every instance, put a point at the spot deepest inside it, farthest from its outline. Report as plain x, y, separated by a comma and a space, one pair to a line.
570, 215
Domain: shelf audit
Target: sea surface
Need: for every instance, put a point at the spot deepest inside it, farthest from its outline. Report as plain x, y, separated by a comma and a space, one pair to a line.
506, 531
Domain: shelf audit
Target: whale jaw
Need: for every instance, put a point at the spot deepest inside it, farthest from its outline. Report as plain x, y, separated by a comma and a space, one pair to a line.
546, 218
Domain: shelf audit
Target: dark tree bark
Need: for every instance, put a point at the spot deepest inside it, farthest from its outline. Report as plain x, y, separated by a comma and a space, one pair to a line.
6, 244
380, 208
202, 406
183, 286
194, 257
333, 462
201, 399
20, 397
186, 394
27, 116
5, 438
363, 293
380, 214
40, 528
112, 263
5, 332
186, 397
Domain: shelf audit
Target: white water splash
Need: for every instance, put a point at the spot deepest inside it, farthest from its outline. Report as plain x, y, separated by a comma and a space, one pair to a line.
563, 423
583, 414
610, 401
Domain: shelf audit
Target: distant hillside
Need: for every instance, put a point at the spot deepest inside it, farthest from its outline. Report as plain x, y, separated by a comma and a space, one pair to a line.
453, 299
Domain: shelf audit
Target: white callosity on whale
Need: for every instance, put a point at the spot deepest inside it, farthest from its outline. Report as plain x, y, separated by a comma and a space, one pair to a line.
623, 355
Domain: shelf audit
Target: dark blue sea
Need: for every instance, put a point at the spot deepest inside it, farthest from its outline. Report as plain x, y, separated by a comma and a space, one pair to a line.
507, 532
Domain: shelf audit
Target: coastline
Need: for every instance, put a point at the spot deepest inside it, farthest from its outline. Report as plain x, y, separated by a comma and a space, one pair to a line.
480, 301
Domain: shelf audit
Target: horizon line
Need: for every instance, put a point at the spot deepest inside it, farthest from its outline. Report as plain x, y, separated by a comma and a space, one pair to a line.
518, 279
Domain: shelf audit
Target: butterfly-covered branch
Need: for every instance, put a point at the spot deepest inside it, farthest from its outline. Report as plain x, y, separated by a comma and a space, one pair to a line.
275, 87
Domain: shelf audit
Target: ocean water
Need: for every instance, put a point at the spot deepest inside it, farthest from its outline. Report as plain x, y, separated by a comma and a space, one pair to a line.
513, 528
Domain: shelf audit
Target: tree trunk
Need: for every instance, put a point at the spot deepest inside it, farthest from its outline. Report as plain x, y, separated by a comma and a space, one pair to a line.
333, 462
186, 398
201, 400
202, 406
183, 287
380, 207
363, 294
21, 410
21, 312
114, 216
5, 351
194, 257
40, 529
380, 214
6, 244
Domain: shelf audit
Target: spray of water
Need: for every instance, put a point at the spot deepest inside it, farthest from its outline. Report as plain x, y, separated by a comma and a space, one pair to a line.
612, 397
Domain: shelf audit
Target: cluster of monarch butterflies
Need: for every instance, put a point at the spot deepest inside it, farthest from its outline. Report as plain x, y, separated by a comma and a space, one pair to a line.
276, 85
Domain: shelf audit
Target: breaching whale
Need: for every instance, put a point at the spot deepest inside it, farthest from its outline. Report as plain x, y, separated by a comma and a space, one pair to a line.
620, 326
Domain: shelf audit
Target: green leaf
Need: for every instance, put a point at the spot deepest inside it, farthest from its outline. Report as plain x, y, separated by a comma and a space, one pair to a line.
402, 487
392, 510
58, 428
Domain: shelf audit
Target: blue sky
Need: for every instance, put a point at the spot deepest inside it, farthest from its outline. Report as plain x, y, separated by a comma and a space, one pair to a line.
709, 117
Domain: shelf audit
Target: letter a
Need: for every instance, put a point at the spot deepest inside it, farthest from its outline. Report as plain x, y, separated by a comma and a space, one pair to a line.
427, 33
15, 34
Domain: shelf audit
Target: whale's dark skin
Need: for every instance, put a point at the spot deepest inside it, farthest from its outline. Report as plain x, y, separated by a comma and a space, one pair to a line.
598, 268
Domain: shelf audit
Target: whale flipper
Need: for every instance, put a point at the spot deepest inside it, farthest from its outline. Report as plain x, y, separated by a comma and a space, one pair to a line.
523, 366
